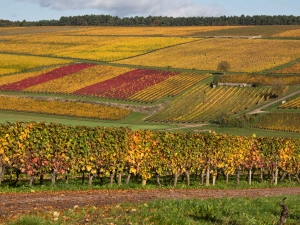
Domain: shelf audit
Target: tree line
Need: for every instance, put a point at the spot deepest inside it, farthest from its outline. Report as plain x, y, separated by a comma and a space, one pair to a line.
108, 20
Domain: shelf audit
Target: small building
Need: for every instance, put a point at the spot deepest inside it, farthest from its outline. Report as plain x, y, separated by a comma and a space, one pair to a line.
235, 84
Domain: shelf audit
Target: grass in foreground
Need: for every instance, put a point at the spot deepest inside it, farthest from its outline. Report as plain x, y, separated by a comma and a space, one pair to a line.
237, 211
243, 131
75, 183
134, 120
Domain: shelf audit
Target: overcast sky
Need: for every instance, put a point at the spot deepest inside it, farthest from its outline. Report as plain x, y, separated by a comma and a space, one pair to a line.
34, 10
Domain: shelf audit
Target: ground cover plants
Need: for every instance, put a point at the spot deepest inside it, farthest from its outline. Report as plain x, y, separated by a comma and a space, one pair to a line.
240, 211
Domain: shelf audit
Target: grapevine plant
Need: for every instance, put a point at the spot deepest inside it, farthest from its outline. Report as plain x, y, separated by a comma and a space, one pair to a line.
37, 149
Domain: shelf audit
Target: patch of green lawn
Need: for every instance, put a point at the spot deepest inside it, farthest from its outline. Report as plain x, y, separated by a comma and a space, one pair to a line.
245, 131
134, 120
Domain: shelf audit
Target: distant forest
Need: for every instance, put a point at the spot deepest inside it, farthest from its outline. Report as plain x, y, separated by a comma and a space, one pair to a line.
107, 20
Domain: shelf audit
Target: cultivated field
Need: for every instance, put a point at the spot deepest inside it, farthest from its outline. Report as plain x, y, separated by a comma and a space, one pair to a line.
244, 55
163, 72
131, 107
97, 48
282, 121
11, 63
203, 103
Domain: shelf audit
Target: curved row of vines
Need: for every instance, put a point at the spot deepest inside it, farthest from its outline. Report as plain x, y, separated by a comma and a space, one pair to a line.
39, 148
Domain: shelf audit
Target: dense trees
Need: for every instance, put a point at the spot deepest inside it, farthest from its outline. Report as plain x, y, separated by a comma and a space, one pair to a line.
107, 20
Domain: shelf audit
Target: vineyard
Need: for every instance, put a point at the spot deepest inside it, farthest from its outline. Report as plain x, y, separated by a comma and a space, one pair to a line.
289, 33
79, 80
103, 81
265, 80
281, 121
189, 31
170, 87
203, 103
53, 74
63, 108
146, 31
125, 85
244, 55
164, 73
86, 47
292, 104
40, 149
250, 31
294, 69
126, 107
10, 64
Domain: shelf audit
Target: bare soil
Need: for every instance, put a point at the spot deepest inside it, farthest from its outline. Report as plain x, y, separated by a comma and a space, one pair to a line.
12, 204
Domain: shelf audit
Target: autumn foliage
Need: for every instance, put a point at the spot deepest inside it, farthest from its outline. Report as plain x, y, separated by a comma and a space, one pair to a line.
38, 149
203, 103
54, 74
62, 108
125, 85
280, 121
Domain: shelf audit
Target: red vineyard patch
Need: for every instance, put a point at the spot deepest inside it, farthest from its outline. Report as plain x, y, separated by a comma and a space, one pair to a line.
54, 74
125, 85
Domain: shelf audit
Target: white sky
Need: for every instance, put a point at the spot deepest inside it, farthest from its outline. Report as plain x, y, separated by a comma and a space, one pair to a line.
34, 10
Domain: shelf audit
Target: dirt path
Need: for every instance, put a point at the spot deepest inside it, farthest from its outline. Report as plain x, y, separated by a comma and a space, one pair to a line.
182, 126
15, 203
258, 110
147, 109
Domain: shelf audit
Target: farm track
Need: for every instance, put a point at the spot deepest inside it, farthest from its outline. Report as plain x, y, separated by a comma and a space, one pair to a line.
259, 110
148, 109
13, 204
182, 126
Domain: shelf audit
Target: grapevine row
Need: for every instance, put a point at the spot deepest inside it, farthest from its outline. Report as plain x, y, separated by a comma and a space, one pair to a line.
11, 63
100, 48
281, 121
62, 108
125, 85
38, 149
51, 75
293, 104
266, 80
103, 81
245, 55
76, 81
204, 103
170, 87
